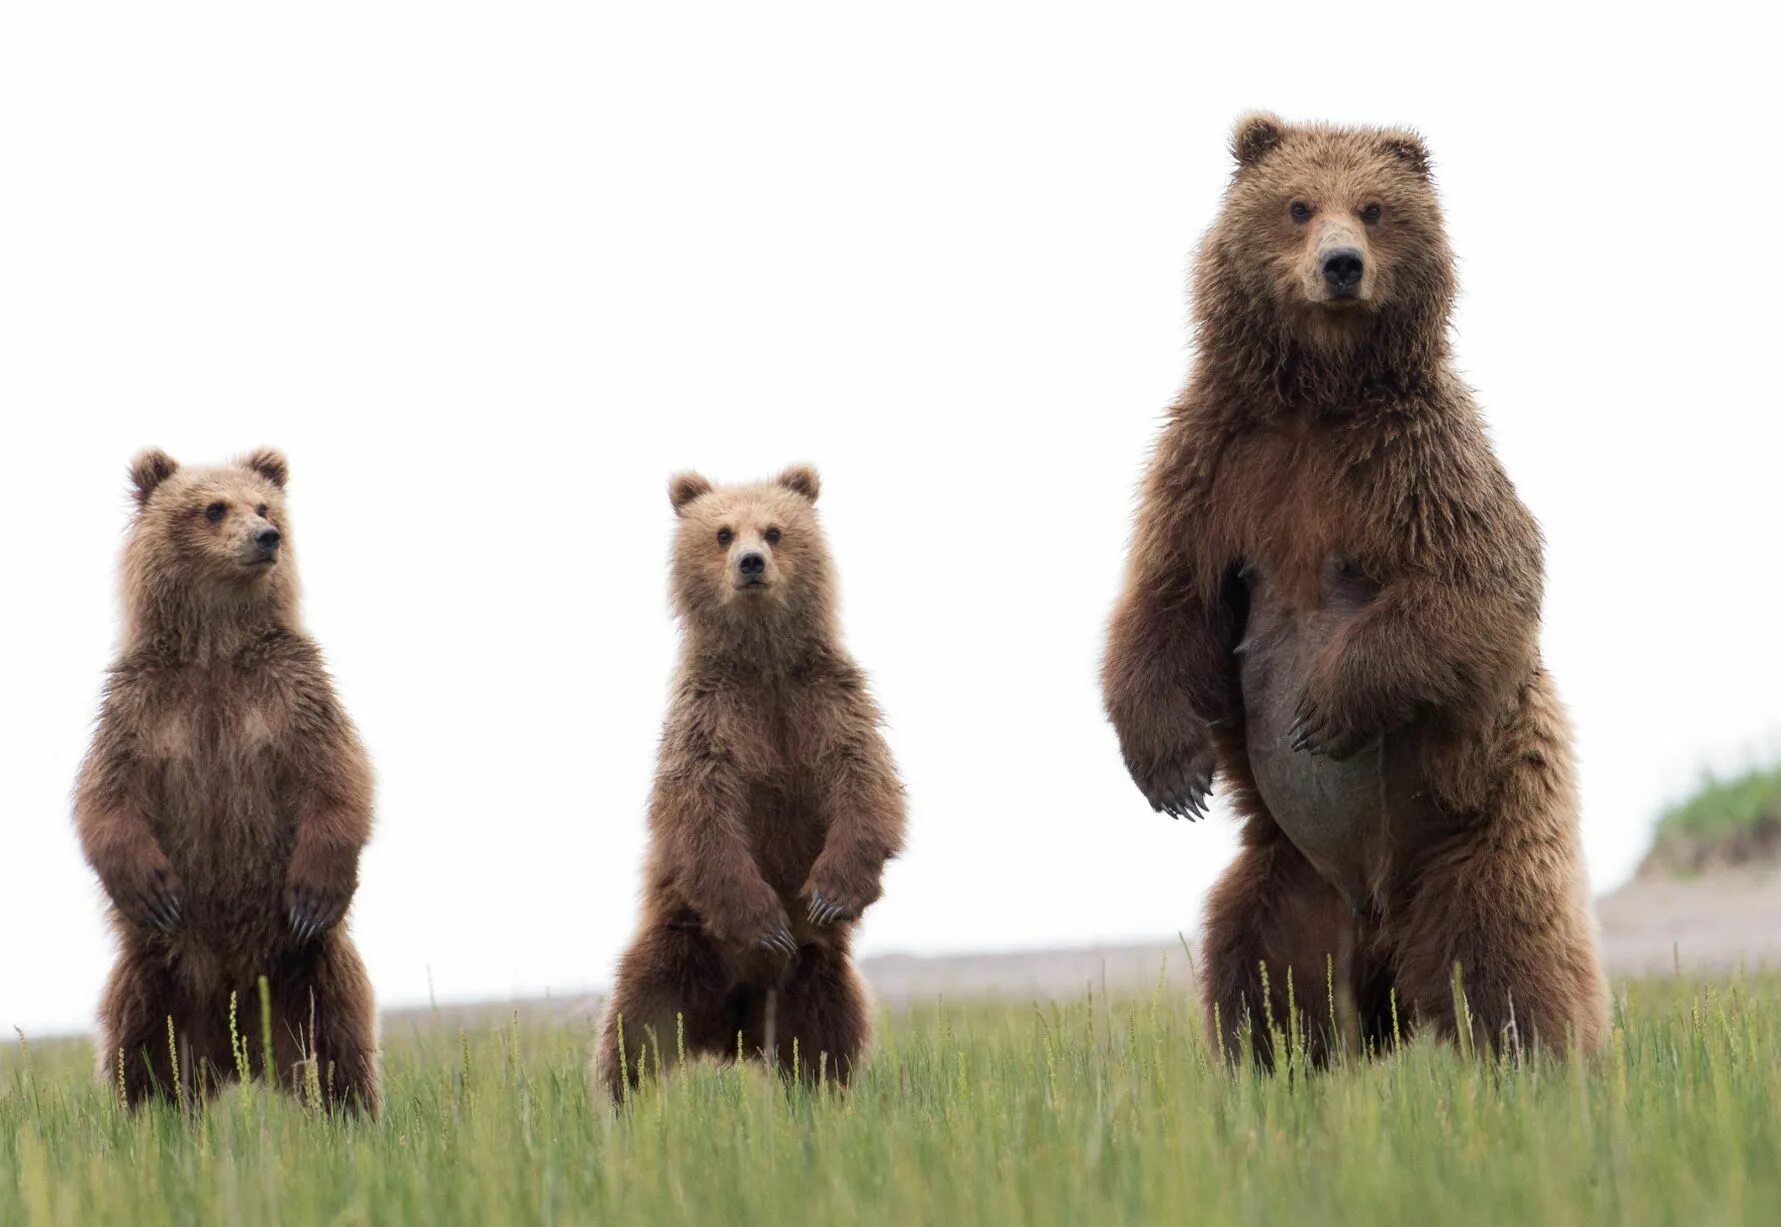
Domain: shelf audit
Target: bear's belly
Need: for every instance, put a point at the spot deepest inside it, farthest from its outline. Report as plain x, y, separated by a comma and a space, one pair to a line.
1347, 817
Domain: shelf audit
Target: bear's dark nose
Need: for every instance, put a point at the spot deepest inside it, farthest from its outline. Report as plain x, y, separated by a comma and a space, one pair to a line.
268, 539
752, 563
1343, 268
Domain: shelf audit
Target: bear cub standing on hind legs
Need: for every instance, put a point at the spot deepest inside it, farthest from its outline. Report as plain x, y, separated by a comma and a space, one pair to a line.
1333, 599
224, 803
775, 808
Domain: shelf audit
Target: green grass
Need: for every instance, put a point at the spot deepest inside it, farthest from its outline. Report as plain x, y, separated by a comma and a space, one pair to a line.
1726, 807
1091, 1112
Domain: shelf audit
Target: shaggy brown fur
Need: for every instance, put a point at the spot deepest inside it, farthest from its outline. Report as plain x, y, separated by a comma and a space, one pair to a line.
1333, 598
776, 804
224, 802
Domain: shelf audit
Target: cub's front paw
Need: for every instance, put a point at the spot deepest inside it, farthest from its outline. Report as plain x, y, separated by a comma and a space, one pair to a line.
761, 951
312, 908
153, 894
1176, 780
779, 942
832, 902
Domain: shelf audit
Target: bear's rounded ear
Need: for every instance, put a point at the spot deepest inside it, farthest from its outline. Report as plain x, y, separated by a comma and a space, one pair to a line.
1407, 147
150, 468
1256, 133
268, 463
802, 479
683, 488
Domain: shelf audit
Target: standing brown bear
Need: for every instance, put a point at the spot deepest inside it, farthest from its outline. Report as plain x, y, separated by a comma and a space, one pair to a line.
1333, 600
224, 803
776, 804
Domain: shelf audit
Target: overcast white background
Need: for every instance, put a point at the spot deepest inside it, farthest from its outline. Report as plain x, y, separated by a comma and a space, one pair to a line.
489, 274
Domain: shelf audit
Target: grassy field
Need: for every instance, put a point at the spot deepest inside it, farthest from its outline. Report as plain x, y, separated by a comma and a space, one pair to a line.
1726, 821
1091, 1112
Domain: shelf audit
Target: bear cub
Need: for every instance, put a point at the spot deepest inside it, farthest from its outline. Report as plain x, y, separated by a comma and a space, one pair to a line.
775, 806
224, 803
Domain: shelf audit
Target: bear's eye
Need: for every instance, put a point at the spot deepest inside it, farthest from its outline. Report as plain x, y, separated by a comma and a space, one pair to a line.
1301, 212
260, 511
1370, 214
725, 536
215, 512
772, 536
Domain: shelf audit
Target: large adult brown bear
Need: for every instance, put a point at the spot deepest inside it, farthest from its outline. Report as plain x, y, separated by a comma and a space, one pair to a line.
224, 803
1333, 601
776, 804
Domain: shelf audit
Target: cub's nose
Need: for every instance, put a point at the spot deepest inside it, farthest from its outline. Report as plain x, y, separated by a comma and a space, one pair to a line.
268, 539
752, 563
1343, 269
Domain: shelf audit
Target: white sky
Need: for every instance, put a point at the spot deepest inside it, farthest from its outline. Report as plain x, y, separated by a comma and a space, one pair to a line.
488, 276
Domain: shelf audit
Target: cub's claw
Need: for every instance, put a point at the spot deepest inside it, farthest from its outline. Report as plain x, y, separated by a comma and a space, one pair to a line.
164, 914
824, 912
781, 943
161, 902
310, 914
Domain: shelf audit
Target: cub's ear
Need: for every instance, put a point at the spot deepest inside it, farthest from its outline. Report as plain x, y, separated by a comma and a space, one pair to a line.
268, 463
1407, 147
1256, 133
802, 479
150, 469
683, 488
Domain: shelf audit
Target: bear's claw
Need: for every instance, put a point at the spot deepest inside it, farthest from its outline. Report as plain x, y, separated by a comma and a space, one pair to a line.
1179, 788
1314, 732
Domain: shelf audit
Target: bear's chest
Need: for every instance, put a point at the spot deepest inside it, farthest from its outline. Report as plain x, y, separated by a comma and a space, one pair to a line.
1285, 499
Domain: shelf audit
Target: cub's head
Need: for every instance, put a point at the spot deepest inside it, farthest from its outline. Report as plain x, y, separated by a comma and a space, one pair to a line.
749, 553
214, 534
1328, 234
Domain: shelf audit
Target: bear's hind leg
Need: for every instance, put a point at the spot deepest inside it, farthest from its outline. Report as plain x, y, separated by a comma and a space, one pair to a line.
673, 987
1516, 921
824, 1013
1271, 910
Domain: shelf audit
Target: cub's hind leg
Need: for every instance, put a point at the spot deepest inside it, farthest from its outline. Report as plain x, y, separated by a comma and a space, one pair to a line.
325, 1027
822, 1021
135, 1046
673, 987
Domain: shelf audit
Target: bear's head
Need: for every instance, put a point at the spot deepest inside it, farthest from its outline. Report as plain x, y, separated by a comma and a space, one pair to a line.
750, 555
207, 543
1329, 236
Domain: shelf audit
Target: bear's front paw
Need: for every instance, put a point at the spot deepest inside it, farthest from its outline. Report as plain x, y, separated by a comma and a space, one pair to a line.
1176, 779
1322, 729
312, 909
152, 894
